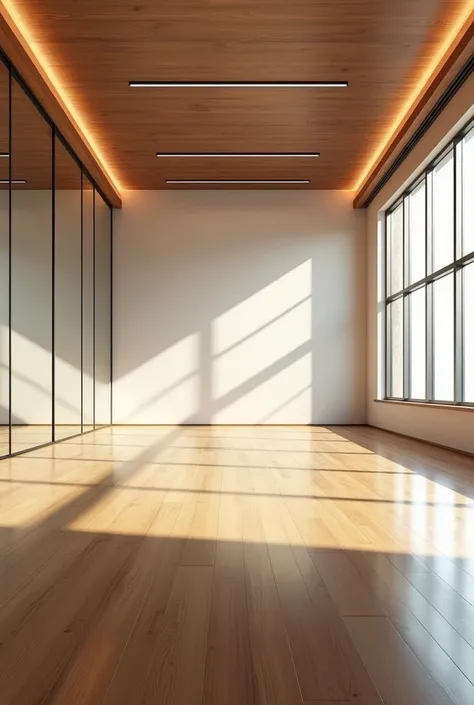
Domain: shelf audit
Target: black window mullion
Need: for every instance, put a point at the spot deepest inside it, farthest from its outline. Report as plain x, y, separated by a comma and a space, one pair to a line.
429, 287
458, 275
53, 287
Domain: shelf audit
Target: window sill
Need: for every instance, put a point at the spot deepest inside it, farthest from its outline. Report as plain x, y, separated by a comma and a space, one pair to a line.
426, 405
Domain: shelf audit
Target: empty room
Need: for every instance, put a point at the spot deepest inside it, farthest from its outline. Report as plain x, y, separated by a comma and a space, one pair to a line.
236, 352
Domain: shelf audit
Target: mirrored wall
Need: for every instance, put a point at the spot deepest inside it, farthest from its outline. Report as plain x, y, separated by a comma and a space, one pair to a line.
55, 281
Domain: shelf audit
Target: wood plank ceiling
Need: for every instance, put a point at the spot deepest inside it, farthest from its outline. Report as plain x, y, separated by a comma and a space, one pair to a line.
96, 48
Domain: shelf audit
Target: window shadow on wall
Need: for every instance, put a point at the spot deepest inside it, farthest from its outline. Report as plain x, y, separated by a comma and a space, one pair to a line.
239, 325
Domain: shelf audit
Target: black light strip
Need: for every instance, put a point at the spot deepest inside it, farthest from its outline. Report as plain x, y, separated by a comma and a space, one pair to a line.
238, 84
198, 182
237, 155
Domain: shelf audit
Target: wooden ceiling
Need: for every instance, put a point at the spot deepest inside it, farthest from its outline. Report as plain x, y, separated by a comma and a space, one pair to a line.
31, 145
96, 48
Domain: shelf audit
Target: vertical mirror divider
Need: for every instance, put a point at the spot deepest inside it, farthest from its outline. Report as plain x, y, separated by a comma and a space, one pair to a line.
82, 300
10, 171
93, 308
53, 288
111, 309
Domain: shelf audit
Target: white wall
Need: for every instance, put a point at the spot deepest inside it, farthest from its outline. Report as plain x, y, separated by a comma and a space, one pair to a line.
450, 427
239, 307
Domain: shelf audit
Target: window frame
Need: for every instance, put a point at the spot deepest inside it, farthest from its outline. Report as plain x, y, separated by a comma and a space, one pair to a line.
455, 267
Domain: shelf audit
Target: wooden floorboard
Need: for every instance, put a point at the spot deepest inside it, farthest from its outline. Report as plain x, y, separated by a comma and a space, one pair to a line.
237, 566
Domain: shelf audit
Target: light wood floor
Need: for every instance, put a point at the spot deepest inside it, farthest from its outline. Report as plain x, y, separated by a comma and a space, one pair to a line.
237, 566
25, 436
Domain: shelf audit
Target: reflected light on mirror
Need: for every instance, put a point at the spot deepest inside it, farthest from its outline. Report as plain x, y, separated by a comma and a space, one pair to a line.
437, 59
16, 18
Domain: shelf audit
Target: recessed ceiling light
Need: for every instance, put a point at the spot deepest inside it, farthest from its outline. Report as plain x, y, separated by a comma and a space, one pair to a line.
238, 84
14, 181
237, 155
235, 181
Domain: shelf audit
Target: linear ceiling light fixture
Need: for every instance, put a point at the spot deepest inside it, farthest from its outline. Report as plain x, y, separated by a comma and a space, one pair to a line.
14, 181
455, 27
13, 14
236, 155
238, 84
198, 182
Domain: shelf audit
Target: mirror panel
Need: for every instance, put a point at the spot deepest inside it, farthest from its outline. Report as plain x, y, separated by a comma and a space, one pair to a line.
67, 294
31, 274
55, 282
4, 261
102, 312
88, 304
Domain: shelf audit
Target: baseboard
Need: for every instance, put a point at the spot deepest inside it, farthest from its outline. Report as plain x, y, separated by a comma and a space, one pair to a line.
237, 425
422, 440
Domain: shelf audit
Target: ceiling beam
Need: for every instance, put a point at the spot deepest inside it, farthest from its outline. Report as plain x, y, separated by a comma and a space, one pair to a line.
459, 51
23, 58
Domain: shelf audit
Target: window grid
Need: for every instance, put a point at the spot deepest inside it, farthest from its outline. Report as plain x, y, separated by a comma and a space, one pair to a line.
455, 268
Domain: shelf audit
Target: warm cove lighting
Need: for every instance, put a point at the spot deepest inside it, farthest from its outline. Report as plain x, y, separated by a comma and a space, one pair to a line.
238, 84
16, 18
250, 155
242, 181
423, 80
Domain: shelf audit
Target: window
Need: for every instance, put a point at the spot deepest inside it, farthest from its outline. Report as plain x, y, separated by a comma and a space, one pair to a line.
417, 335
443, 338
468, 336
429, 304
416, 232
396, 348
442, 236
395, 229
468, 192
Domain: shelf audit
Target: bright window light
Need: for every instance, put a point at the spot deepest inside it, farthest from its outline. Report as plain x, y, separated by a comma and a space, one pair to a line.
428, 259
